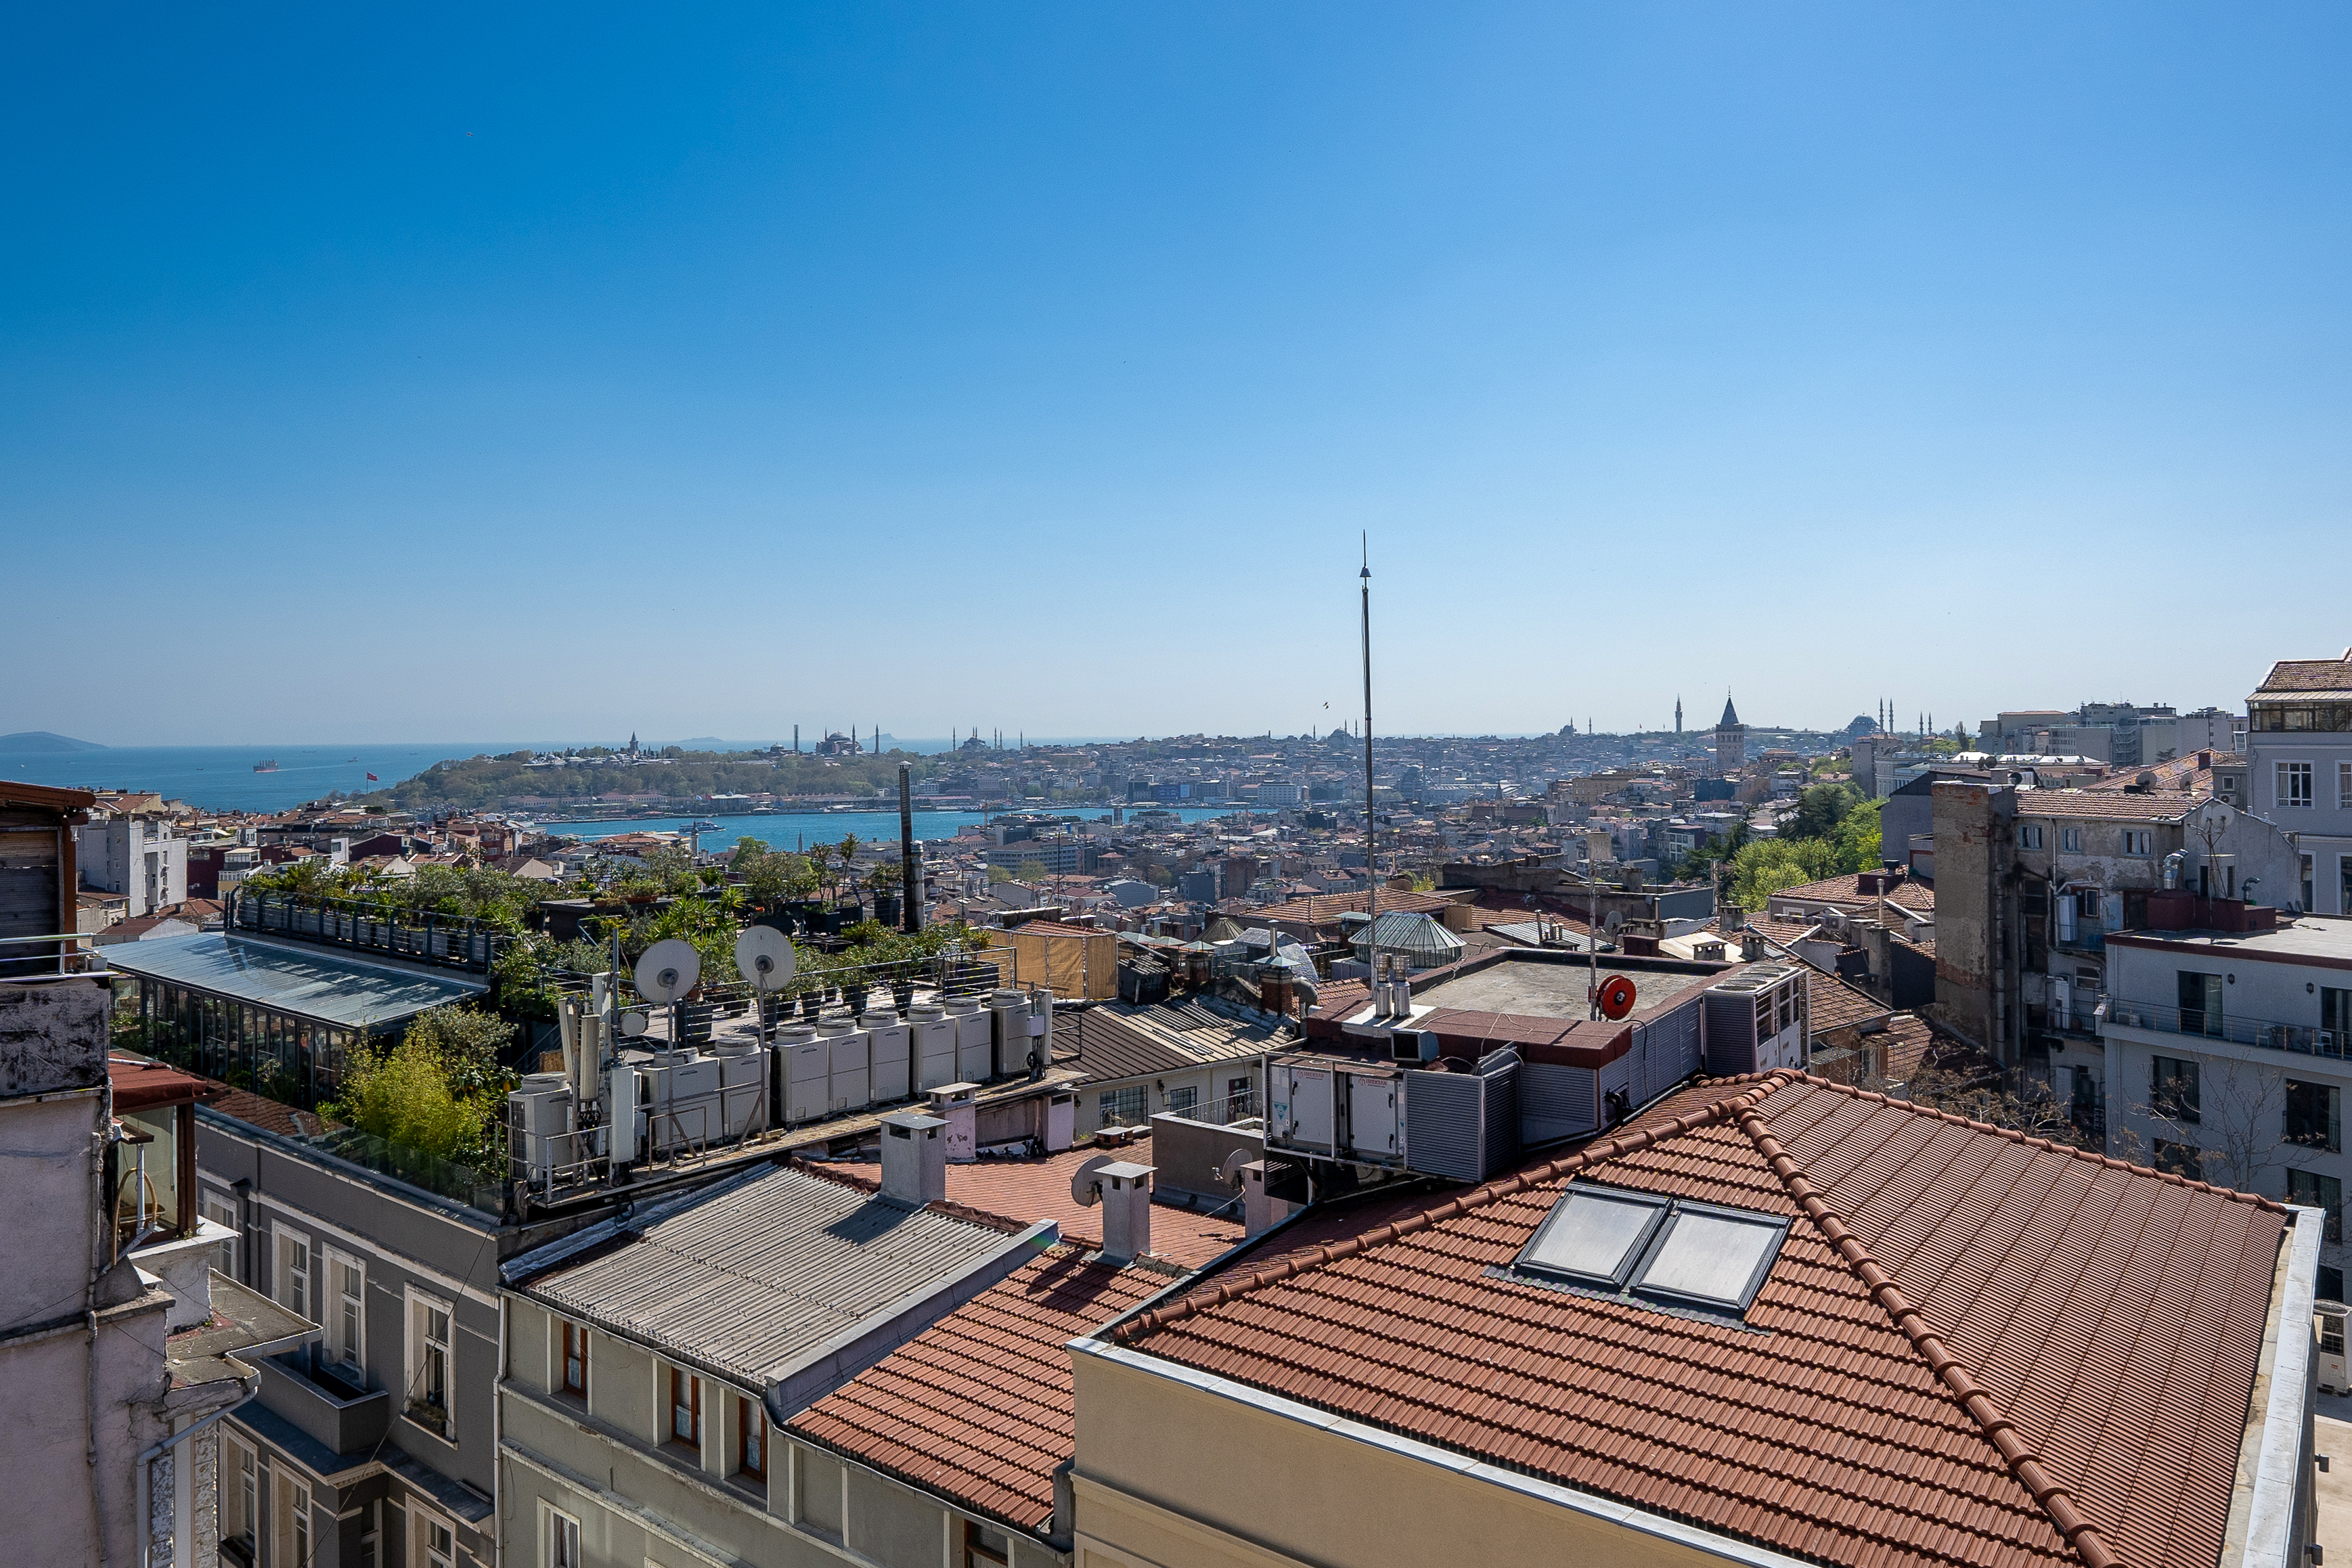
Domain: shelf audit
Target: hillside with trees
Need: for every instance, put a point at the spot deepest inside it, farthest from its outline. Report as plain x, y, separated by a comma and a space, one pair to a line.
490, 783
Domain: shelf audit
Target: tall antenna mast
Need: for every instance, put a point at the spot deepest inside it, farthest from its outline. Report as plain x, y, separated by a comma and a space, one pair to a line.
1372, 858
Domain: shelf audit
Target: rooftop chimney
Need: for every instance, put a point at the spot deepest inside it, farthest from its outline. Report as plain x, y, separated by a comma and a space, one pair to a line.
1261, 1211
1126, 1189
914, 1158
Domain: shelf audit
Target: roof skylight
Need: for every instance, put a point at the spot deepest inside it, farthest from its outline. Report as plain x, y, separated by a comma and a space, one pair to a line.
1669, 1251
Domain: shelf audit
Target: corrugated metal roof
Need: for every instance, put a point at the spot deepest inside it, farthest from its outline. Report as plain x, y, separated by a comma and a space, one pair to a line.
758, 1275
314, 983
1424, 944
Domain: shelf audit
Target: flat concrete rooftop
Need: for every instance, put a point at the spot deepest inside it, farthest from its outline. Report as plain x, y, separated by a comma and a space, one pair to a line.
1546, 989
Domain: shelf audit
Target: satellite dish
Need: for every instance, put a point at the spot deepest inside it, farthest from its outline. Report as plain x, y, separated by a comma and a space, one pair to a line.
1230, 1173
1085, 1191
668, 970
765, 956
1616, 996
633, 1022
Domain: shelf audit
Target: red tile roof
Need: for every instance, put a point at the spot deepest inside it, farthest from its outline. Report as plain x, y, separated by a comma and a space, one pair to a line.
979, 1407
2308, 678
1324, 908
1847, 889
1975, 1346
1027, 1191
2106, 804
1833, 1004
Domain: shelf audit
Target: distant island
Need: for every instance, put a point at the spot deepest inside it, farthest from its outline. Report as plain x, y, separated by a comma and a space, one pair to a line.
596, 776
42, 740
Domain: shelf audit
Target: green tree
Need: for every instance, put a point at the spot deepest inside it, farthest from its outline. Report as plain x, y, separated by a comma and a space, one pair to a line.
1820, 809
1032, 872
439, 1090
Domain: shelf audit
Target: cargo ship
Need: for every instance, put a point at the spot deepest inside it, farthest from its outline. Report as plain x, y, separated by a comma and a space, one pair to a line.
270, 765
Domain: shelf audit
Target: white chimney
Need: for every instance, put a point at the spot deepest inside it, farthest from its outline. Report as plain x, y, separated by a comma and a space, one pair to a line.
1126, 1189
952, 1103
1260, 1211
914, 1158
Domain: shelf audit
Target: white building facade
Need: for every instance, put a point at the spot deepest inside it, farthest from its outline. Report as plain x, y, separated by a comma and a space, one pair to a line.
2299, 752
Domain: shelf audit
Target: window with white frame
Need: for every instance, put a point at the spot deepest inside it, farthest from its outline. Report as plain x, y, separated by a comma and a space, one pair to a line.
1184, 1100
2293, 783
434, 1542
1122, 1107
685, 1406
2344, 786
562, 1536
294, 1274
2070, 840
222, 1212
294, 1544
346, 1307
240, 1494
430, 1370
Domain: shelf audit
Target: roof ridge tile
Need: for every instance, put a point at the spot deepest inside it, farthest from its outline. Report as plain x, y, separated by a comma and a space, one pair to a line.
2056, 1499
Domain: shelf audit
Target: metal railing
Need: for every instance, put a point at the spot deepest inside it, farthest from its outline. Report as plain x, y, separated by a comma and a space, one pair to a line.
444, 941
2206, 1024
20, 958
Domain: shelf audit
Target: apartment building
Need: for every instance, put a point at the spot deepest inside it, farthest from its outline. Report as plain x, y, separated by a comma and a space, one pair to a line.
142, 857
2299, 755
2224, 1056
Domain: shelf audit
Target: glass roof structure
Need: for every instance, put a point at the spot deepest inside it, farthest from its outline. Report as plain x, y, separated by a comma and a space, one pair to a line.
1669, 1251
314, 983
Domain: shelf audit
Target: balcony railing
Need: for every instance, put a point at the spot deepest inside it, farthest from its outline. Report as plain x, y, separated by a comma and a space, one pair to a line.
2303, 1040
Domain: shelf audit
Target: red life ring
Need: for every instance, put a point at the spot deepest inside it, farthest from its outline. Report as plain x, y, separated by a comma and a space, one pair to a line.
1616, 996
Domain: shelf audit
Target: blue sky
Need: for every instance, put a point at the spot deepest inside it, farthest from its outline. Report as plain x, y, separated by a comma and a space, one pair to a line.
1034, 367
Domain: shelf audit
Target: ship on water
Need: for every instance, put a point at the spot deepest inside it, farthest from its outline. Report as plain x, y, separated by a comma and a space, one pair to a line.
268, 766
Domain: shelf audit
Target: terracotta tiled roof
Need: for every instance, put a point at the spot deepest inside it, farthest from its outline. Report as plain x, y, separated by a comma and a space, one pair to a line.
1908, 1041
1977, 1347
2181, 775
2307, 677
1026, 1191
1836, 1004
1320, 908
1846, 889
979, 1407
1787, 932
2113, 804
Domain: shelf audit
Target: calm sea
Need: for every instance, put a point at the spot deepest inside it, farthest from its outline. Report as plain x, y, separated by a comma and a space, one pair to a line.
221, 777
797, 831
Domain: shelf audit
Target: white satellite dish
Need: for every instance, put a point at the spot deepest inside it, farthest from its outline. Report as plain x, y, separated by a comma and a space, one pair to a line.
765, 956
1230, 1173
1085, 1189
668, 970
633, 1022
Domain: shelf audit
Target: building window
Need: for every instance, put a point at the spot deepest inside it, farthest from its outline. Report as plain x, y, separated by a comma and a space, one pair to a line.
984, 1547
2344, 786
2138, 841
1184, 1100
240, 1496
2200, 1003
2307, 884
298, 1520
2029, 836
2070, 840
2309, 1189
437, 1543
751, 1438
2295, 784
294, 1274
2172, 1090
1122, 1107
346, 1321
575, 1360
1240, 1100
686, 1409
2180, 1159
221, 1211
428, 1366
2315, 1115
562, 1541
2335, 1017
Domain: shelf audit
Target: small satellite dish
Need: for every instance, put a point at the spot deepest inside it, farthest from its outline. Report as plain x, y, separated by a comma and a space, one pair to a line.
1085, 1191
633, 1022
765, 956
668, 970
1230, 1173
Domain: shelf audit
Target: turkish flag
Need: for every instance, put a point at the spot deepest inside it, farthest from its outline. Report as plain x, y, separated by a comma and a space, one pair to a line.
371, 778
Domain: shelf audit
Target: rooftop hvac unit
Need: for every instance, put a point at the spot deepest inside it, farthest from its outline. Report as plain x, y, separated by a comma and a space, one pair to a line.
683, 1108
807, 1069
889, 1076
975, 1042
1464, 1126
848, 1070
931, 1046
1375, 1126
1008, 1024
1744, 1028
744, 1088
1413, 1045
538, 1115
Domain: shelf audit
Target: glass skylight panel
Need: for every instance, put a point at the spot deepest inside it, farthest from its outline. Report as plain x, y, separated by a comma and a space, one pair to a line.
1593, 1235
1711, 1257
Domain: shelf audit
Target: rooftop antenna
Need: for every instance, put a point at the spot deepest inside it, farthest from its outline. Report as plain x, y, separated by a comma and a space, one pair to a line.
1372, 856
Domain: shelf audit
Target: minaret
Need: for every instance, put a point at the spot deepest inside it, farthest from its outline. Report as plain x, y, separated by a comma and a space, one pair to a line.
1678, 716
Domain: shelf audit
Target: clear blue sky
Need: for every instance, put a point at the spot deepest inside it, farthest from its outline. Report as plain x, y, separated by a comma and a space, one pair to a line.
484, 373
